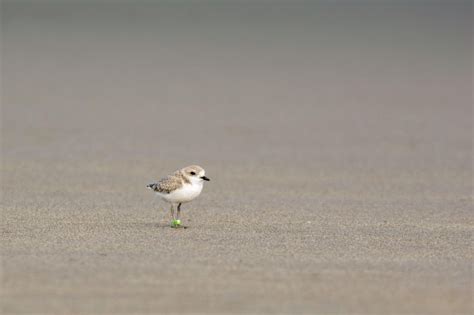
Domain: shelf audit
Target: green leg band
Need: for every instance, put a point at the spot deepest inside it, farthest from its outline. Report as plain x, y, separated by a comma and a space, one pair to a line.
175, 223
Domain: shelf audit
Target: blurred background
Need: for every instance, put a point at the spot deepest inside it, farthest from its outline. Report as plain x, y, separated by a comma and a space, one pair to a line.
237, 81
355, 116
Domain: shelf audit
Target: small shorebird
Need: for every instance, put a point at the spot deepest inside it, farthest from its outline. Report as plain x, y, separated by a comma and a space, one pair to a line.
182, 186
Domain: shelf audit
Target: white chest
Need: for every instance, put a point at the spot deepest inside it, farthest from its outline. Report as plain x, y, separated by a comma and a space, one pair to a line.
184, 194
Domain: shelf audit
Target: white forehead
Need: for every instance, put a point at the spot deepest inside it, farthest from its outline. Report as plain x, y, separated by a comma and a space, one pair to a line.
194, 168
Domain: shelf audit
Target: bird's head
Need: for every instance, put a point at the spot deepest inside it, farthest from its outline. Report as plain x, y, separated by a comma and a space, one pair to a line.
195, 174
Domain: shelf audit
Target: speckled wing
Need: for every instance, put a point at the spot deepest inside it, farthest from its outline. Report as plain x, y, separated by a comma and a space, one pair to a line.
167, 184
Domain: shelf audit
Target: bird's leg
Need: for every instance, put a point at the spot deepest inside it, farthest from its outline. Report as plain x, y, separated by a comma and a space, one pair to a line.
172, 211
179, 211
176, 222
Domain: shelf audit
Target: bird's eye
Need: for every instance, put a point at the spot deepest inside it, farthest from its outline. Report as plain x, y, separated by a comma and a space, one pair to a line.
192, 173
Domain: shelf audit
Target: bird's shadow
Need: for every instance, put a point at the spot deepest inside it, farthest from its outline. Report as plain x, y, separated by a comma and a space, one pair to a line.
163, 225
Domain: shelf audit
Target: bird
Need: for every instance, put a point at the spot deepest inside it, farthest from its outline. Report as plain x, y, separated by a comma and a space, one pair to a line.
184, 185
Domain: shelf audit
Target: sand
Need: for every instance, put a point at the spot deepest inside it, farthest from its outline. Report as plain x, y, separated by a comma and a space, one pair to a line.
341, 173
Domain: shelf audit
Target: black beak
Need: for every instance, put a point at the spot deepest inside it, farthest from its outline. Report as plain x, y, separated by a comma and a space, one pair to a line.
205, 178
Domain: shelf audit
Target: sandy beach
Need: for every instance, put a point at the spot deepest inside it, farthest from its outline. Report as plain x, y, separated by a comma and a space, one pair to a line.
338, 140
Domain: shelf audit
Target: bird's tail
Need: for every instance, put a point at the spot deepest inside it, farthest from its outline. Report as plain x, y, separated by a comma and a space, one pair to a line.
151, 186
